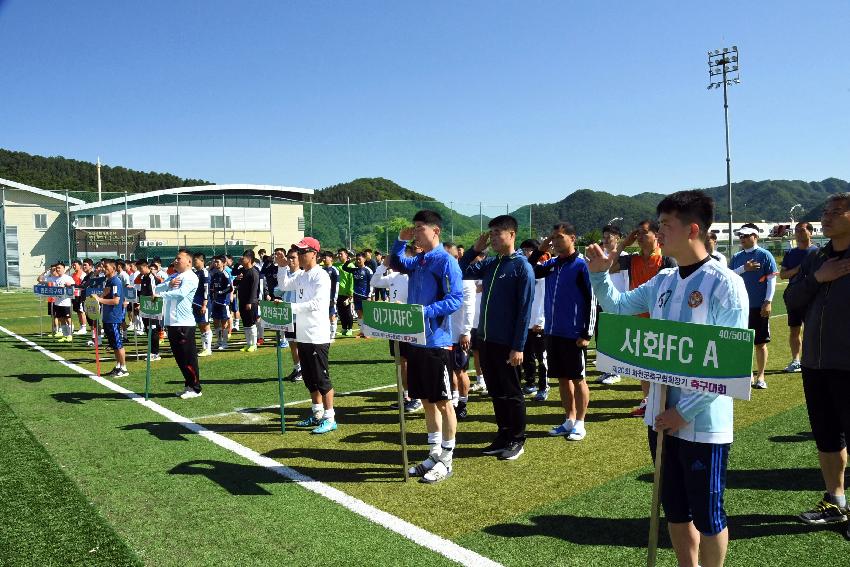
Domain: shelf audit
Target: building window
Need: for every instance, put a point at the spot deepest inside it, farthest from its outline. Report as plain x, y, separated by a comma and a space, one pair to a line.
40, 221
217, 221
301, 224
174, 221
127, 220
101, 221
155, 221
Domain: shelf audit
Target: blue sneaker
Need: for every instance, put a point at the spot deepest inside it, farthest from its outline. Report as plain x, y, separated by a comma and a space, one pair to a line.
561, 430
284, 343
541, 395
325, 426
529, 389
308, 422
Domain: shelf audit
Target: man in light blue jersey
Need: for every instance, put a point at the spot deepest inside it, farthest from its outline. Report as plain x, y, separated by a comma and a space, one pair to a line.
698, 425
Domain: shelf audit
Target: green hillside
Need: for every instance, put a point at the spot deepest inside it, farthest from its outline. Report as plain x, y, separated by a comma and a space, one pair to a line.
59, 173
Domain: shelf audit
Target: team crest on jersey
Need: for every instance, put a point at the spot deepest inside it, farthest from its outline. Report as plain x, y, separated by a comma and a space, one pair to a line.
694, 299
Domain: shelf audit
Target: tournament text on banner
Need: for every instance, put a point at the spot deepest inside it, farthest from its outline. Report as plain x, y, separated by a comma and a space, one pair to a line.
394, 321
702, 358
276, 315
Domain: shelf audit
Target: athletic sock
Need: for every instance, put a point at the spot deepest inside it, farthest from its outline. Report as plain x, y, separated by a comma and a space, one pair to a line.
318, 411
406, 394
434, 441
207, 340
329, 414
66, 330
840, 501
252, 332
297, 367
463, 399
446, 452
579, 424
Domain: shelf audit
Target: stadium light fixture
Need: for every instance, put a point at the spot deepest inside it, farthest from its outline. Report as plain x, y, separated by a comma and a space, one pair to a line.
721, 64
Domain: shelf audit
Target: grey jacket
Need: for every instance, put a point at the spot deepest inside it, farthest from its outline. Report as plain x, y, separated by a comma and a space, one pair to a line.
826, 333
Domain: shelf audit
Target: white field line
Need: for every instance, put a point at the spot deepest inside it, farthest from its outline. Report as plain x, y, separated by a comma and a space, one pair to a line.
424, 538
249, 411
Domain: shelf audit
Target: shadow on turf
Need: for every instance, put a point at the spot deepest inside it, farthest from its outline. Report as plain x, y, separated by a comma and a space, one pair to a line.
797, 438
33, 378
237, 479
82, 397
799, 479
632, 532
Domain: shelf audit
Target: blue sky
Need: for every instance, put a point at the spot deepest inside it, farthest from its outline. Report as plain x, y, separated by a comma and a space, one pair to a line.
465, 101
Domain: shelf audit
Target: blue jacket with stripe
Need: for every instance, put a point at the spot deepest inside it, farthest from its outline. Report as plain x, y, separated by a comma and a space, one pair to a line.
434, 281
569, 306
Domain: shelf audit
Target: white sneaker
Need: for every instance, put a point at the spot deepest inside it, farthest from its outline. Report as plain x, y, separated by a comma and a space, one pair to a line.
438, 473
90, 343
424, 466
205, 353
611, 379
81, 332
121, 373
155, 357
222, 346
182, 392
577, 434
189, 394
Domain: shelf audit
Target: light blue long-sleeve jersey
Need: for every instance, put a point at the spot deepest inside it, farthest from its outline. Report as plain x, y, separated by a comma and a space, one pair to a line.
712, 295
177, 302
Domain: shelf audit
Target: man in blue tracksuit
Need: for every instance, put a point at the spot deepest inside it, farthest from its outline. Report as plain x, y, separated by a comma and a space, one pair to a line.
569, 310
502, 328
434, 281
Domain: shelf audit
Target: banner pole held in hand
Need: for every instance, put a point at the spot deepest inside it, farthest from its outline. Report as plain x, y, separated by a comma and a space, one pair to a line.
654, 519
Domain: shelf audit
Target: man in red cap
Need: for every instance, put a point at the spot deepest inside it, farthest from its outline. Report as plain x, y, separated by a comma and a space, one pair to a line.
312, 300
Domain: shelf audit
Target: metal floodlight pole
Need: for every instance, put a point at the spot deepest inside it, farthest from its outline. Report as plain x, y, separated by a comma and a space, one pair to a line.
126, 222
724, 62
68, 227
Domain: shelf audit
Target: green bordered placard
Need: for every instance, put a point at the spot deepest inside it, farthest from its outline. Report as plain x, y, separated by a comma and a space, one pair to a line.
703, 358
150, 307
277, 315
394, 321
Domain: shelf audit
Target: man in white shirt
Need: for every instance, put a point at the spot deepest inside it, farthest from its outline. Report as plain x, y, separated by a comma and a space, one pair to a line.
311, 286
396, 285
62, 306
177, 293
461, 333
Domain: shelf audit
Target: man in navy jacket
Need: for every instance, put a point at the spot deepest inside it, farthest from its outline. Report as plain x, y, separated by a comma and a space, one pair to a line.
502, 328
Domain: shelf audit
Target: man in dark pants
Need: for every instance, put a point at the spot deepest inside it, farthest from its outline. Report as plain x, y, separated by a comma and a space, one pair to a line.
789, 268
821, 289
502, 327
147, 284
177, 293
345, 293
248, 283
533, 362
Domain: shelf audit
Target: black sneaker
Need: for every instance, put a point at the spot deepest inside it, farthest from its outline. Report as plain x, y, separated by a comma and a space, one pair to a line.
460, 411
294, 376
513, 451
824, 513
113, 372
496, 447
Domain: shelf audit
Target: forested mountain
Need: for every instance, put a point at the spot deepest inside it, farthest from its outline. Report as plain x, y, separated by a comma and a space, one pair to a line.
59, 173
378, 206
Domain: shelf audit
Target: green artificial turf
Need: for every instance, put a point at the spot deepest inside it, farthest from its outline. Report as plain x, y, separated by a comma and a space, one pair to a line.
44, 518
562, 503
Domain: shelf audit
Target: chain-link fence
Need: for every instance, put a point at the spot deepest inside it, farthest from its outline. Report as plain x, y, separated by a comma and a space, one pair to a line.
132, 226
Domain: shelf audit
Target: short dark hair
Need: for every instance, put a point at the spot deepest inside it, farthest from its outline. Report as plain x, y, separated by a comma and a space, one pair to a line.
750, 225
565, 227
503, 222
261, 252
249, 254
279, 249
88, 261
183, 251
712, 235
326, 253
692, 206
360, 255
343, 250
612, 229
430, 217
653, 224
200, 255
141, 262
367, 250
807, 225
840, 197
108, 262
530, 243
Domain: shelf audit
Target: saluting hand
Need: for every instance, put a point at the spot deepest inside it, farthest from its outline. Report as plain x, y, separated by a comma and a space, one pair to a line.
481, 244
406, 233
597, 259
